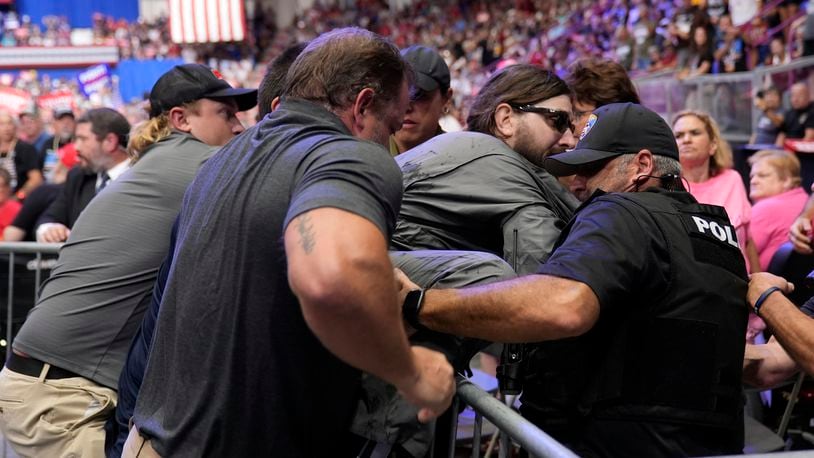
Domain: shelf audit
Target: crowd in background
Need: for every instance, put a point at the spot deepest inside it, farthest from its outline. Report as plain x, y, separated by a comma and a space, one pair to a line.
687, 37
691, 37
475, 39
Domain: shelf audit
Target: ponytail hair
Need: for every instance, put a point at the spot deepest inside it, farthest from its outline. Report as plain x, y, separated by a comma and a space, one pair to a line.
153, 131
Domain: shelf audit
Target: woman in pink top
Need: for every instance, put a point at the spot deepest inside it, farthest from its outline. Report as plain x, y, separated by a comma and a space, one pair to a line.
774, 187
706, 163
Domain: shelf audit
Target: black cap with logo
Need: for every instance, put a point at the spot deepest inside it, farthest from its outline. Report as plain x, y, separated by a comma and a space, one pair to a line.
613, 130
430, 69
189, 82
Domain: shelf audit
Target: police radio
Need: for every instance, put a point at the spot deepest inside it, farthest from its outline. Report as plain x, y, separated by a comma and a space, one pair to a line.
510, 372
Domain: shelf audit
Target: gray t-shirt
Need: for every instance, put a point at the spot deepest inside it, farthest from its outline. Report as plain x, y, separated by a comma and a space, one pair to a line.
92, 304
234, 369
470, 191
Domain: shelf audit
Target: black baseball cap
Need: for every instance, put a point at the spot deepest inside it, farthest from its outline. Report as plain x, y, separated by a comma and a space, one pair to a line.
189, 82
613, 130
431, 72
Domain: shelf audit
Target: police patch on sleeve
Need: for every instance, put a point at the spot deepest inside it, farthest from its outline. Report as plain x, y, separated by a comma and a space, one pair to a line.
588, 126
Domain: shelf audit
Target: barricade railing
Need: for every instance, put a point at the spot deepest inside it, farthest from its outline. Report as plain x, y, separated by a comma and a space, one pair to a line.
12, 249
728, 97
511, 426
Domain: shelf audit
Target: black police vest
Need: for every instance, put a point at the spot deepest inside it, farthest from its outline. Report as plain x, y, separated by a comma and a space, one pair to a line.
675, 357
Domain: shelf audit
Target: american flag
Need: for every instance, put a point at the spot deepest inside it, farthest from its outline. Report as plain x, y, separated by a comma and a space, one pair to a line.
207, 21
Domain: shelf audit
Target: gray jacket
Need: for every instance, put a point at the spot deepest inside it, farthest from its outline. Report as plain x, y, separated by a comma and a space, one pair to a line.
470, 191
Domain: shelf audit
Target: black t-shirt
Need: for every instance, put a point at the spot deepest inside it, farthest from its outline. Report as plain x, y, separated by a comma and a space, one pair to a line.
795, 122
34, 205
52, 143
234, 370
25, 160
614, 251
627, 259
701, 56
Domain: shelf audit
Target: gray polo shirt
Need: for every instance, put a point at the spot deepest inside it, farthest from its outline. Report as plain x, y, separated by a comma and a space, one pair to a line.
93, 303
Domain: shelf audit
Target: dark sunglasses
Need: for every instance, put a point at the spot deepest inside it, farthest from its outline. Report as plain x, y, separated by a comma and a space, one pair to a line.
560, 120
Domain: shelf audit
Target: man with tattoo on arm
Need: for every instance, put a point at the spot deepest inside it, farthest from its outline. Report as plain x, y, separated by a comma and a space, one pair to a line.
281, 288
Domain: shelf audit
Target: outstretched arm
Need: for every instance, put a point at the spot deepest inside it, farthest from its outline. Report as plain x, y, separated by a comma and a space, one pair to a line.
526, 309
339, 270
792, 328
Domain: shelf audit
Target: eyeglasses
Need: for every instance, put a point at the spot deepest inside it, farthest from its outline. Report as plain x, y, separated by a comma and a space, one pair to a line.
561, 120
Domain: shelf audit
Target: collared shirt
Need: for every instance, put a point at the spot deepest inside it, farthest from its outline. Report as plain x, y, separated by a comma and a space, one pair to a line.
113, 172
795, 122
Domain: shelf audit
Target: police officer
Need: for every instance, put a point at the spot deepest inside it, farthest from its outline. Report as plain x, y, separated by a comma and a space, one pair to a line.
649, 287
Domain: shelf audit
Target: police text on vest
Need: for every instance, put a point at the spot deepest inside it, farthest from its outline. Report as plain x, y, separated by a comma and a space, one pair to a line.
723, 233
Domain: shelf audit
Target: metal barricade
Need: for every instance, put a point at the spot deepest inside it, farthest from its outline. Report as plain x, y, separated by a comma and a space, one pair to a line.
511, 425
13, 249
727, 97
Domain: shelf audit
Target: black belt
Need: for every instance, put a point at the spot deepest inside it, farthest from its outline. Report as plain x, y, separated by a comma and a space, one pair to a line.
33, 367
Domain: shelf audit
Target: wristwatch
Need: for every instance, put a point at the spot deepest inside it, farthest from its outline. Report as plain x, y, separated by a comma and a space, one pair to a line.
412, 307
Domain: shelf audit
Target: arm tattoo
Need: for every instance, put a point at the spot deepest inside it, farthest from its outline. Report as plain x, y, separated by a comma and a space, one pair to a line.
306, 230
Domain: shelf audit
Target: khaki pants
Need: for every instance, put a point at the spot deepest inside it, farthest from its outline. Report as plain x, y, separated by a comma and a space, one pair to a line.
44, 417
137, 446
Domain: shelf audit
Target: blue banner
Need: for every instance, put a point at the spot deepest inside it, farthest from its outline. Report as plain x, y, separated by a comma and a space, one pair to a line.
94, 79
78, 12
136, 77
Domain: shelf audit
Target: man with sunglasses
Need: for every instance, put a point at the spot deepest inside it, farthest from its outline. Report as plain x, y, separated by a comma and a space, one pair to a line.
484, 195
430, 97
485, 189
644, 294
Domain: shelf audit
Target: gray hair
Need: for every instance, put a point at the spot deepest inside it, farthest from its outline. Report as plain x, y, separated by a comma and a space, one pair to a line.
662, 165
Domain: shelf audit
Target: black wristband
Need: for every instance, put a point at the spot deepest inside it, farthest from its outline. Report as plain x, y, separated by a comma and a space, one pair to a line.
412, 307
760, 300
